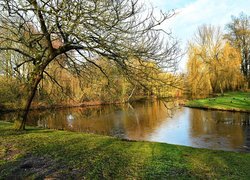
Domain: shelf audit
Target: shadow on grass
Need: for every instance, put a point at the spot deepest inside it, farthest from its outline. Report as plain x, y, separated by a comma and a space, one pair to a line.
13, 132
66, 155
67, 158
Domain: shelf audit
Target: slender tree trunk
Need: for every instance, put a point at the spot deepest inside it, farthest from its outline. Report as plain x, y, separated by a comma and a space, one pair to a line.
31, 95
131, 94
221, 90
248, 82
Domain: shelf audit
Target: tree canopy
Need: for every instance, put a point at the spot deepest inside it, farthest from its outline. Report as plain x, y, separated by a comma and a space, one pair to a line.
238, 34
213, 64
37, 33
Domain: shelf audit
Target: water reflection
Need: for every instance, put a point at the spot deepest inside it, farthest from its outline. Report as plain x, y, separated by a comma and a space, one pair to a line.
224, 128
152, 121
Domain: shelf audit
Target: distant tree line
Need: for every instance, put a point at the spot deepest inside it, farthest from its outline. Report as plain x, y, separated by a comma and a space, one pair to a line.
220, 62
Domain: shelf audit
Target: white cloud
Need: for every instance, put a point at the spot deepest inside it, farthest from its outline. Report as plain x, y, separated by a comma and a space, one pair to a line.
204, 12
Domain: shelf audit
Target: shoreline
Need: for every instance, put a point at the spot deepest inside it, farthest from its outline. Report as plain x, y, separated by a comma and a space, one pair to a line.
44, 153
45, 107
218, 109
4, 109
196, 103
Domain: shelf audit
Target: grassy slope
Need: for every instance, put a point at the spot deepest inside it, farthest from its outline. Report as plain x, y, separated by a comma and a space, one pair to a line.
236, 101
39, 153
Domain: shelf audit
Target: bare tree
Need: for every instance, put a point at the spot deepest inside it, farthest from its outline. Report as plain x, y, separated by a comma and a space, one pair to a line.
83, 31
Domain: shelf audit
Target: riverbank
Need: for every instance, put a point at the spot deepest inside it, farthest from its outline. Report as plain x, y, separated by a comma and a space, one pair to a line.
40, 106
12, 107
232, 101
39, 153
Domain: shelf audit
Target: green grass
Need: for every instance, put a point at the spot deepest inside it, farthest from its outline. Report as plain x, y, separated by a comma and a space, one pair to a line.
234, 101
38, 153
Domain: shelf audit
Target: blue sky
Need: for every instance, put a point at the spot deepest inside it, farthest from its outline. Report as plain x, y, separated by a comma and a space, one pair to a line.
193, 13
171, 4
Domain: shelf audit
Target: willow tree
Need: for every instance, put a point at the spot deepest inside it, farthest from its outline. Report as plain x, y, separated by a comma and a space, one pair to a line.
239, 37
83, 31
213, 65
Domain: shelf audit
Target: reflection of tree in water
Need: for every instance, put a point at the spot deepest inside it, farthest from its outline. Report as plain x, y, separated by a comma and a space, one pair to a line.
246, 129
138, 121
94, 119
126, 121
247, 136
133, 121
224, 126
48, 119
149, 115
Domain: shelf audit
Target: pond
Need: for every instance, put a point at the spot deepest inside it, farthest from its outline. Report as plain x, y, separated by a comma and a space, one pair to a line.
152, 121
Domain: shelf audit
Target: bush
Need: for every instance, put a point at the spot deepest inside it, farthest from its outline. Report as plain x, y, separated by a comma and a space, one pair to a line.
10, 90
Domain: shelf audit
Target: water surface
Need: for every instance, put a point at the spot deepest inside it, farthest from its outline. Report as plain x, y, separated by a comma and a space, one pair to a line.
152, 121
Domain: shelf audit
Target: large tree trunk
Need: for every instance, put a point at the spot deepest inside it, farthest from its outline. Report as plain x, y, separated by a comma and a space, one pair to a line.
31, 94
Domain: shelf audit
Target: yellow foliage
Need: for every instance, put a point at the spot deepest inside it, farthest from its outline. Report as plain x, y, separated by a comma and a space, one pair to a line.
216, 72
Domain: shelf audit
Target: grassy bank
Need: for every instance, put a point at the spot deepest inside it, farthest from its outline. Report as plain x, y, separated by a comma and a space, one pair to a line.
233, 101
38, 153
